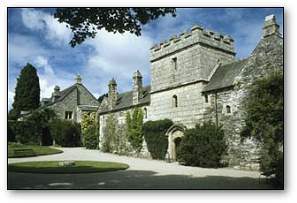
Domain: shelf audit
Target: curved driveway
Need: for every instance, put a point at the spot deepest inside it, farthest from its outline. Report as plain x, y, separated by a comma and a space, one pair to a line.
142, 174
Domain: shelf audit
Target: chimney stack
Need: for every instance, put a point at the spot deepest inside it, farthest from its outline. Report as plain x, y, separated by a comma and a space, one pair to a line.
270, 26
137, 87
78, 79
56, 93
112, 94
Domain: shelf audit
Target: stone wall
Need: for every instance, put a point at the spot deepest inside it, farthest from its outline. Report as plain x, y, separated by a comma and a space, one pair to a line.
241, 154
121, 128
190, 105
69, 103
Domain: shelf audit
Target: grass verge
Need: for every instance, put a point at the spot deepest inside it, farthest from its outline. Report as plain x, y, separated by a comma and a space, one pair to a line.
53, 167
19, 150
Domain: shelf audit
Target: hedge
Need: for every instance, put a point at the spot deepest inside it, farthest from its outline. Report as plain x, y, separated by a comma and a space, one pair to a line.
154, 135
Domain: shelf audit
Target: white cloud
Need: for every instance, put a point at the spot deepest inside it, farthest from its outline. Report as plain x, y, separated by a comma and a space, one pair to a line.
48, 78
40, 21
118, 56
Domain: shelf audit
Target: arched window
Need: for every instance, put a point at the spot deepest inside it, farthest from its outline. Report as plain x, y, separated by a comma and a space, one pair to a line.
228, 109
174, 101
145, 112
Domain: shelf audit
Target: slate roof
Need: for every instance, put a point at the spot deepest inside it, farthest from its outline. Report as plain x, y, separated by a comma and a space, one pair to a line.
125, 99
224, 76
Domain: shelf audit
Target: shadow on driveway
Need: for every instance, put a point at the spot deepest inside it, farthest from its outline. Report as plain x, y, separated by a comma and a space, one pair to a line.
129, 179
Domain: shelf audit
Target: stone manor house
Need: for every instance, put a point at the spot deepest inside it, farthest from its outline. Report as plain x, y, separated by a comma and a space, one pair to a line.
195, 77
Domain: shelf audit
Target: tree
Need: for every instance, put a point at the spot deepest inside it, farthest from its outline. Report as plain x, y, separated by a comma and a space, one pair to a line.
27, 91
85, 22
265, 122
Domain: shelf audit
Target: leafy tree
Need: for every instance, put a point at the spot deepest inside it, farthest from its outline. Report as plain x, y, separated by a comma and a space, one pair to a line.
202, 146
265, 122
85, 22
27, 91
134, 129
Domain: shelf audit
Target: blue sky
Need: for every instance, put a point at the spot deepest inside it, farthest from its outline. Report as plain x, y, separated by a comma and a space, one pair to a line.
35, 37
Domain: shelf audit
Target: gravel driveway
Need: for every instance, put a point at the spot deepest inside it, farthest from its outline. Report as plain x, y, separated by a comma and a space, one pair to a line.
142, 174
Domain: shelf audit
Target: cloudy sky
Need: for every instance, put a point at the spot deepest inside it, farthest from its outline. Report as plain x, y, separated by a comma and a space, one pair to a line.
35, 37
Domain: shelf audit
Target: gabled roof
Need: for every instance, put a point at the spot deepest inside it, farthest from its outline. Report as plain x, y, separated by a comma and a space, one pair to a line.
125, 100
224, 76
66, 92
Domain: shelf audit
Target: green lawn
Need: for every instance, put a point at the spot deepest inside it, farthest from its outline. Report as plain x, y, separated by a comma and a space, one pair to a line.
18, 150
52, 167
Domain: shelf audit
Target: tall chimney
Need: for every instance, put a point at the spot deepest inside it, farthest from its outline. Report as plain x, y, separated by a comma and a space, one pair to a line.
112, 94
56, 93
137, 87
270, 26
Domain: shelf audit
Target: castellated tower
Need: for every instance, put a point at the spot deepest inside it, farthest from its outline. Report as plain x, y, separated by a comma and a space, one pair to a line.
180, 69
112, 94
137, 87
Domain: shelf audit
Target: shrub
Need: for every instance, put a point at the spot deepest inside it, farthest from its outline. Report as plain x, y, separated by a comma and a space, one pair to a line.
134, 129
265, 121
202, 146
32, 129
25, 132
91, 137
154, 135
66, 133
90, 131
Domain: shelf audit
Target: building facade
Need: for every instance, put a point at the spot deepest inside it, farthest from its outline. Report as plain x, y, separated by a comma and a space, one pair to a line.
72, 102
195, 77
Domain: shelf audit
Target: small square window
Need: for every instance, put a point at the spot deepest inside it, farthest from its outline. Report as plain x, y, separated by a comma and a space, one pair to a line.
68, 115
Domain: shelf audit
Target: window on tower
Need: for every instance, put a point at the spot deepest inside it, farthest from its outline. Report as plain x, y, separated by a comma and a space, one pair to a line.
174, 101
174, 62
228, 109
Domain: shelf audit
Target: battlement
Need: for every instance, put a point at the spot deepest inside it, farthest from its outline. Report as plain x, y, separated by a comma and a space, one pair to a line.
197, 35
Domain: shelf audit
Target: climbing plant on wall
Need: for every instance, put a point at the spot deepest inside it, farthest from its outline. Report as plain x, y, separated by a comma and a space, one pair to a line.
110, 142
90, 131
134, 129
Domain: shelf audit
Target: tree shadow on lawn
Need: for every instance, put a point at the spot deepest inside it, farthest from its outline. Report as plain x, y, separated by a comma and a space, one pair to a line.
129, 179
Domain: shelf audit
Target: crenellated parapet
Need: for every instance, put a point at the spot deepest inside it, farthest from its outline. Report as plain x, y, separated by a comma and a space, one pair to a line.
197, 35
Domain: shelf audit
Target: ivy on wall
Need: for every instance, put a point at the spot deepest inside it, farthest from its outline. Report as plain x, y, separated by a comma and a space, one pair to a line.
110, 140
134, 129
90, 131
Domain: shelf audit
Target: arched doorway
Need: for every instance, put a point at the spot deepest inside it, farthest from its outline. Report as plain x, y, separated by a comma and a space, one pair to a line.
174, 134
